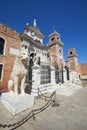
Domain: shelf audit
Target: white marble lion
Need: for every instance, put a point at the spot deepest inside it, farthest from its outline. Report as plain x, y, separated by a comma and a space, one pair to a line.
19, 72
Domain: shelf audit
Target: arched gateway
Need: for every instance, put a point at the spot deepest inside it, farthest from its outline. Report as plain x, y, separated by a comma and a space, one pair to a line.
32, 39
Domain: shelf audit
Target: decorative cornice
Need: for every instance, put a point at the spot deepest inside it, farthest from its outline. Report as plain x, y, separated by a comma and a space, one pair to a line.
31, 41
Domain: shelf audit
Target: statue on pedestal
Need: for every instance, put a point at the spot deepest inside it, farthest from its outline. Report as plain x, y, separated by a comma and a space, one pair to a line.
19, 72
16, 100
36, 59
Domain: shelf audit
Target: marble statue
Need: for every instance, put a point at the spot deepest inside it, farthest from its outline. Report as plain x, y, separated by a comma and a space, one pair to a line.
16, 84
35, 23
36, 59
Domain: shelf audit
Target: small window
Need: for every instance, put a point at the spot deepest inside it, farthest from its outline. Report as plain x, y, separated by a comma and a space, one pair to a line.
52, 39
26, 47
2, 43
71, 53
1, 67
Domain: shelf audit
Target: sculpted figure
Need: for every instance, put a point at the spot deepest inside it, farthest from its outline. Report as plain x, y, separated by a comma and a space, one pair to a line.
19, 72
36, 58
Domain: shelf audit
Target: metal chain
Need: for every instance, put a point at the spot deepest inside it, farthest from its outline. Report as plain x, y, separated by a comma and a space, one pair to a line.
30, 115
44, 96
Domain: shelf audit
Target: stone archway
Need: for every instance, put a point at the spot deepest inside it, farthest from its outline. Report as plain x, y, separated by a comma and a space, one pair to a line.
29, 75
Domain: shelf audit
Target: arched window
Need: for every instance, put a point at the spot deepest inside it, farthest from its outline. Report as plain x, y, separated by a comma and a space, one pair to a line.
2, 44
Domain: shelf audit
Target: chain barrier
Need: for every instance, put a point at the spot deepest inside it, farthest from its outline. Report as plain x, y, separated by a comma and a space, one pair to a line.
46, 98
30, 114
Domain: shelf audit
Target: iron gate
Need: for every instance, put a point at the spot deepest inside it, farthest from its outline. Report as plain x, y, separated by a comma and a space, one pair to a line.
59, 75
45, 74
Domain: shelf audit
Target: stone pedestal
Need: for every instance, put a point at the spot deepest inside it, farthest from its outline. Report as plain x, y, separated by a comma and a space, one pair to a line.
53, 79
19, 104
36, 78
65, 75
71, 76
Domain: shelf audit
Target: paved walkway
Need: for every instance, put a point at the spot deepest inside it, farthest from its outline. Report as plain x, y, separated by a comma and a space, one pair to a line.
71, 114
66, 89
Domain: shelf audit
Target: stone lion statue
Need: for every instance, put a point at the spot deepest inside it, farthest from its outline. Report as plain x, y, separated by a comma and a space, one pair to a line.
19, 72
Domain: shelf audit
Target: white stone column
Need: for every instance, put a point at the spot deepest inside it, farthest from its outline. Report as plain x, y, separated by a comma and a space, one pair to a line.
36, 79
71, 76
65, 75
53, 80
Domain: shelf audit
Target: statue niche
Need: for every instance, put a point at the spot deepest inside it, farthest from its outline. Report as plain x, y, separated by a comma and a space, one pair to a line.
19, 72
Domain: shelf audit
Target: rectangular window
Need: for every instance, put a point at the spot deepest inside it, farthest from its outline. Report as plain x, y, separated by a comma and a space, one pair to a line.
1, 68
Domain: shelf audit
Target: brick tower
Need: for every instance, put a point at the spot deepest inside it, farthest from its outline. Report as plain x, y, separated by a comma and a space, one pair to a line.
56, 49
72, 59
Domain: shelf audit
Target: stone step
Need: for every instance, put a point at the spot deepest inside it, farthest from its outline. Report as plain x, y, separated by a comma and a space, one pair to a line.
66, 89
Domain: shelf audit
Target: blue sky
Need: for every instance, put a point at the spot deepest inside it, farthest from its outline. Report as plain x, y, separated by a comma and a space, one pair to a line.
68, 16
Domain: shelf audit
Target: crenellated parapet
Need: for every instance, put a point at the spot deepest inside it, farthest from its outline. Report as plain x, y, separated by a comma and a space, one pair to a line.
9, 31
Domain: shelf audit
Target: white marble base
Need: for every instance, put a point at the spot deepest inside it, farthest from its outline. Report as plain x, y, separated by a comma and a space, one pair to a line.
19, 104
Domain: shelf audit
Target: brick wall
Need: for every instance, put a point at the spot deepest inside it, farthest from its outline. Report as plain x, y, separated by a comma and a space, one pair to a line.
55, 55
52, 52
72, 64
12, 40
82, 69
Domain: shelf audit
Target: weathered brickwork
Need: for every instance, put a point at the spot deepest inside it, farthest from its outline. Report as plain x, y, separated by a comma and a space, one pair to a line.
74, 65
82, 68
55, 49
52, 52
72, 59
12, 40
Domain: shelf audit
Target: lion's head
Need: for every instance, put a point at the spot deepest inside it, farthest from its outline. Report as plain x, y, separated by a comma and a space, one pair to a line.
23, 55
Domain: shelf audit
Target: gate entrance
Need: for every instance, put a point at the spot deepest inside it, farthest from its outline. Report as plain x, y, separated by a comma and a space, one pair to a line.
67, 73
29, 75
59, 75
45, 74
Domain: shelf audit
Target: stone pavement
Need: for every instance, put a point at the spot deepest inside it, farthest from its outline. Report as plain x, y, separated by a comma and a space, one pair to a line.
71, 114
66, 89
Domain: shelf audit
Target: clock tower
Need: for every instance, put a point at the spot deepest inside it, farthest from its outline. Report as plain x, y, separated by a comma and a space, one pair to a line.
56, 49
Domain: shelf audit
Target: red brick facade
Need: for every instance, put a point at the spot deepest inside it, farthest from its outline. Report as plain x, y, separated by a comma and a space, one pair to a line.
72, 60
12, 41
82, 69
55, 50
73, 63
